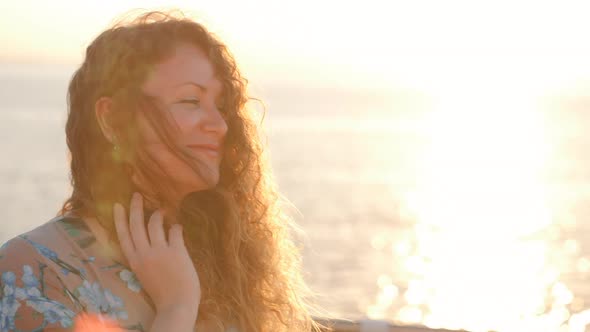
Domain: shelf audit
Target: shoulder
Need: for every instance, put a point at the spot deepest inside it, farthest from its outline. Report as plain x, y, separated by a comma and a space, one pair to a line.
23, 250
47, 242
43, 244
51, 248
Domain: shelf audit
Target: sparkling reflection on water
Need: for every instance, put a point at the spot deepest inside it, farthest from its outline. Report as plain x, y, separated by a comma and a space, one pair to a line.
495, 241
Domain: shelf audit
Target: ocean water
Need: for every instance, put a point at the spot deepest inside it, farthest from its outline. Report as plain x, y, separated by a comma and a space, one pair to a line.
416, 210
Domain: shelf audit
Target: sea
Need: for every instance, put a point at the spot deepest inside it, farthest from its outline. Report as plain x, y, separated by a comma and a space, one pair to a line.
446, 211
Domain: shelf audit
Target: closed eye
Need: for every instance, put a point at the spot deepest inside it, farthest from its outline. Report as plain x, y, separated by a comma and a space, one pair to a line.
190, 101
198, 102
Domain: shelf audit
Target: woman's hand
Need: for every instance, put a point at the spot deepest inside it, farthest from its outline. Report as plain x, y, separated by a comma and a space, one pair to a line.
164, 268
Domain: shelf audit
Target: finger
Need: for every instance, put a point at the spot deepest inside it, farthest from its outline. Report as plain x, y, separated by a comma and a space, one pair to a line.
137, 224
156, 230
175, 236
122, 229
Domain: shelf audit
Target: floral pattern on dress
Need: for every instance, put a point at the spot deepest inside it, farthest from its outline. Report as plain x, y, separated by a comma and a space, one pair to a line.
9, 303
88, 297
12, 296
66, 268
101, 300
131, 279
58, 290
53, 311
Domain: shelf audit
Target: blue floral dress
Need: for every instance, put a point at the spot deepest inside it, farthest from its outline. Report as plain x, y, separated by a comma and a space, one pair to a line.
56, 271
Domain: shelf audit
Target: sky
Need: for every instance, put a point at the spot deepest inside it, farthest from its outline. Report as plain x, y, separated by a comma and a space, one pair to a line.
422, 44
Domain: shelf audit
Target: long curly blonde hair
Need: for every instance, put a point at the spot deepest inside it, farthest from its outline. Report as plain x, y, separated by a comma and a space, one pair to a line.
246, 258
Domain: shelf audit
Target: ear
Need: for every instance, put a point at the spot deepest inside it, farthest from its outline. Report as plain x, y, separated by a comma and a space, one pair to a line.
103, 112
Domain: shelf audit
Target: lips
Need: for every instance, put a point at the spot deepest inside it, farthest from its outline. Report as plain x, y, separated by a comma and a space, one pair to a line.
207, 149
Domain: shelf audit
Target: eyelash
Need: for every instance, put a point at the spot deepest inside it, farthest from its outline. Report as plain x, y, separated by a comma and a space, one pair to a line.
191, 101
198, 102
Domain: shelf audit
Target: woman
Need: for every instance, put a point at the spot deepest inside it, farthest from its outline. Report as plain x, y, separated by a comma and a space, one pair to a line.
173, 222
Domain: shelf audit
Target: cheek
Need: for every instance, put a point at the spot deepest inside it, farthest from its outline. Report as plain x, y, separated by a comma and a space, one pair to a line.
182, 175
147, 133
172, 166
166, 159
186, 122
180, 117
169, 162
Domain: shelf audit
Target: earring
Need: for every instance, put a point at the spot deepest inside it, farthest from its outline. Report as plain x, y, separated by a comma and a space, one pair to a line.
116, 152
114, 141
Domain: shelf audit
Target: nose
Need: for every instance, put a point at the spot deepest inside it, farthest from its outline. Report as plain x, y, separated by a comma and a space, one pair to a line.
214, 122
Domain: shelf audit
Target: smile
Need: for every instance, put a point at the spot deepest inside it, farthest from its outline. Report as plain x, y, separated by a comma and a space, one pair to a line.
213, 153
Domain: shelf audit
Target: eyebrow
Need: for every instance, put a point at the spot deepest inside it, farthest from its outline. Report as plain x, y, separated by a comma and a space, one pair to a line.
192, 83
202, 87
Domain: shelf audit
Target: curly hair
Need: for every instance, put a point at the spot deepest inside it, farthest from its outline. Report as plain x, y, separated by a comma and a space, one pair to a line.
248, 263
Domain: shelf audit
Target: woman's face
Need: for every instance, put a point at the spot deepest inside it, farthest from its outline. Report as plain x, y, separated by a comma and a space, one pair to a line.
187, 86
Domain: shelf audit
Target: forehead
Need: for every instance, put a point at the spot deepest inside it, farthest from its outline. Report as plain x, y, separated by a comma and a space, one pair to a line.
187, 64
